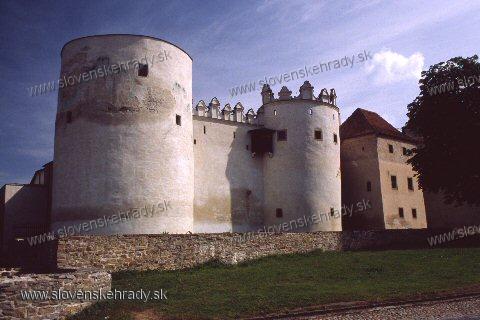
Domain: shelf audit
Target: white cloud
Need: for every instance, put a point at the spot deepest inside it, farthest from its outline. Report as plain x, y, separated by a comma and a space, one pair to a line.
390, 67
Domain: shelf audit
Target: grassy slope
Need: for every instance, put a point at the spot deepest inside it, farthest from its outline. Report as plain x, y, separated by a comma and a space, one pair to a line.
280, 283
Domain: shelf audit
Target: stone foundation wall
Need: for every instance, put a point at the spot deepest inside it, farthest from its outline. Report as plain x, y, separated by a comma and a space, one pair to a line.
12, 282
169, 252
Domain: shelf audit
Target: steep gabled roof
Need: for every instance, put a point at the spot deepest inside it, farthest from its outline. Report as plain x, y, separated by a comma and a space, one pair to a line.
363, 122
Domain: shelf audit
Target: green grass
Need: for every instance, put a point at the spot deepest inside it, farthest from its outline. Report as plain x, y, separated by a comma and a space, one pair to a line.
280, 283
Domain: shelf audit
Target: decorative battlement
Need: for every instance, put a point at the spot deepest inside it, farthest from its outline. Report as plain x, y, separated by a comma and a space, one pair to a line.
306, 93
235, 114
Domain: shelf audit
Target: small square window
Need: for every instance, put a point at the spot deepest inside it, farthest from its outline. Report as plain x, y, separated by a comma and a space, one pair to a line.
390, 148
178, 120
410, 183
279, 213
414, 213
335, 138
400, 213
69, 116
142, 70
282, 135
332, 212
369, 186
318, 135
394, 182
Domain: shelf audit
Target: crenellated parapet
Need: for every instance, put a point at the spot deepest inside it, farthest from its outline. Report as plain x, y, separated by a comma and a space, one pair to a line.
227, 113
305, 93
237, 114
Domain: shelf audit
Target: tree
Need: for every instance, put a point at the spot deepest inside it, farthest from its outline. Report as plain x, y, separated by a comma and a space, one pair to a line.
446, 117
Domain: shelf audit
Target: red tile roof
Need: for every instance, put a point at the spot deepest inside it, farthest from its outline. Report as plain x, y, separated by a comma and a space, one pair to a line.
363, 122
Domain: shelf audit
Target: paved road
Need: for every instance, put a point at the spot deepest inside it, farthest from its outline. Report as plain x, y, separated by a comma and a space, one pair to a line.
461, 309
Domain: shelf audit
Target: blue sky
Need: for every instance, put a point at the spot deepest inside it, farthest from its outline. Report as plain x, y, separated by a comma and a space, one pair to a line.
232, 43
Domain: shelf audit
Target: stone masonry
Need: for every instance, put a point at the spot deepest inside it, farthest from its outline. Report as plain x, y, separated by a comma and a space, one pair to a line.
12, 282
170, 252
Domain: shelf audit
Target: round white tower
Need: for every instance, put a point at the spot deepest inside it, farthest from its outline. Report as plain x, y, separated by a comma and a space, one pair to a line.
302, 180
123, 158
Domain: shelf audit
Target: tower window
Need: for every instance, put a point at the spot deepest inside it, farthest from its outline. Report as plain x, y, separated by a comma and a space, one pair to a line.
400, 213
390, 148
369, 186
194, 141
393, 179
282, 135
279, 213
69, 116
414, 213
335, 138
178, 120
310, 111
246, 146
142, 70
274, 112
332, 212
204, 130
410, 183
234, 135
318, 135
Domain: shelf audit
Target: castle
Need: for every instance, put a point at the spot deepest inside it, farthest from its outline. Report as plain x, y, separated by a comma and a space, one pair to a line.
133, 139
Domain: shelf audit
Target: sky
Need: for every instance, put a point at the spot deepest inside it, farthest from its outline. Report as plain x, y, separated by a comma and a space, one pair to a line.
232, 43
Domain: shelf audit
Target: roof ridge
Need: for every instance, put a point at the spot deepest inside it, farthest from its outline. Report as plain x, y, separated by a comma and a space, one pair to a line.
362, 122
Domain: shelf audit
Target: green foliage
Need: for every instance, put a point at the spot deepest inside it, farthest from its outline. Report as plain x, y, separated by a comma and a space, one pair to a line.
281, 283
446, 114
